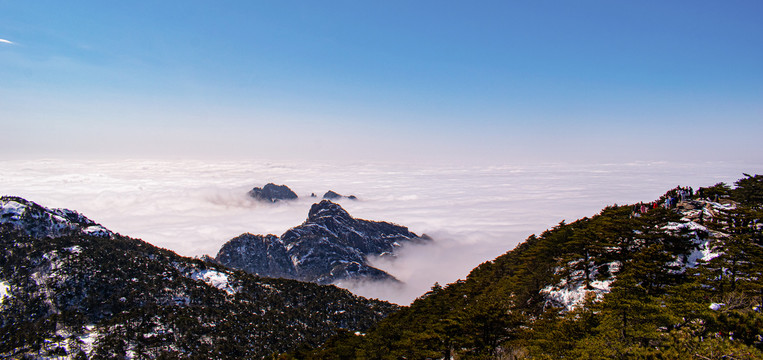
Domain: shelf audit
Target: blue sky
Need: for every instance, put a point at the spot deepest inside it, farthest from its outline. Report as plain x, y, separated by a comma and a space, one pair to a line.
495, 81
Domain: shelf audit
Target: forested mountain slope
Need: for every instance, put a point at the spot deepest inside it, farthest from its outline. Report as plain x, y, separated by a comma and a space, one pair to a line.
679, 278
71, 289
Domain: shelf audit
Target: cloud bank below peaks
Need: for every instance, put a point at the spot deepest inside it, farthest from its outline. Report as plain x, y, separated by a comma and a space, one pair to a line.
474, 213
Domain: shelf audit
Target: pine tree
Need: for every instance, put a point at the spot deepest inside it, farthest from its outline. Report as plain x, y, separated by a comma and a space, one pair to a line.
749, 191
585, 251
739, 264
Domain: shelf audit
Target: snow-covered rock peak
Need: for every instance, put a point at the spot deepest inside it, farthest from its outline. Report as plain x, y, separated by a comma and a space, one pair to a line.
329, 246
38, 221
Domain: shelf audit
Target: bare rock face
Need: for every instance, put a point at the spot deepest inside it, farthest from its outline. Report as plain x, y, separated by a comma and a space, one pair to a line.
262, 255
329, 246
273, 193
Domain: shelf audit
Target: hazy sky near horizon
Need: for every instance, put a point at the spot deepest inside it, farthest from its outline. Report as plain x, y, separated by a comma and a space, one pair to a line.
492, 81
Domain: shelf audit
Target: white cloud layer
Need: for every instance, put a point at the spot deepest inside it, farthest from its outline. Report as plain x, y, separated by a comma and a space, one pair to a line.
474, 213
6, 41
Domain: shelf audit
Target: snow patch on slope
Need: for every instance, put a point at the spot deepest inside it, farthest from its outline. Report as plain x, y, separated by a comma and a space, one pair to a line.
570, 297
89, 338
703, 252
76, 249
215, 279
690, 226
75, 343
573, 295
703, 237
5, 291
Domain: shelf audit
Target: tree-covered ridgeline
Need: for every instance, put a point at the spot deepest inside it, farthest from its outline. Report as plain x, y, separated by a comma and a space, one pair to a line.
678, 278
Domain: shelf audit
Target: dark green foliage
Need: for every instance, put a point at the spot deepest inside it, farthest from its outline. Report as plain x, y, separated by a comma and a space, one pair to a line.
657, 306
749, 191
738, 265
717, 191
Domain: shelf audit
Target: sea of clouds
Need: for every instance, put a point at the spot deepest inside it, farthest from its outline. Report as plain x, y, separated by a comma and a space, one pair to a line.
474, 213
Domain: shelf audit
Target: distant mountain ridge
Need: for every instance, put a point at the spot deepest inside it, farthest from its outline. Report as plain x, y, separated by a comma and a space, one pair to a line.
274, 193
68, 291
329, 246
333, 195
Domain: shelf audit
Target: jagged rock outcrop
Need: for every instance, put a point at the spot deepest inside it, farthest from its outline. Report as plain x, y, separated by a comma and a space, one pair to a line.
330, 245
332, 195
273, 193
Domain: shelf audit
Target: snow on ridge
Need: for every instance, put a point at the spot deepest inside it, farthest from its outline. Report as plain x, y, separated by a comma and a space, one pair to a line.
215, 279
97, 230
12, 207
37, 220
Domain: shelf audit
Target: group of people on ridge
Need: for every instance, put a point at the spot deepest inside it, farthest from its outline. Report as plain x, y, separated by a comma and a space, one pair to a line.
671, 200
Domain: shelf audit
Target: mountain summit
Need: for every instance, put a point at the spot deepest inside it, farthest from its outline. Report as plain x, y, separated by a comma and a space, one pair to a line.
34, 220
68, 291
327, 210
273, 193
330, 245
333, 195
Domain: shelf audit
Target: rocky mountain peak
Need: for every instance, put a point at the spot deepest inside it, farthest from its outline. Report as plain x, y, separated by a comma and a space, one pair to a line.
273, 193
333, 195
330, 245
38, 221
326, 209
